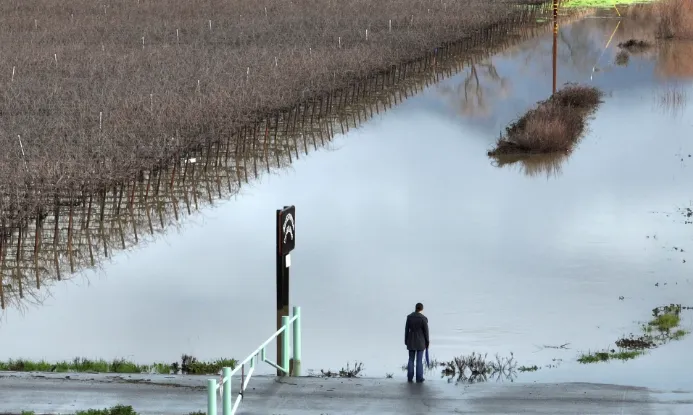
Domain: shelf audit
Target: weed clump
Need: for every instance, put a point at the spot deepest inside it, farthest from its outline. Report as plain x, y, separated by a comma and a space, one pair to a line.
189, 365
116, 410
635, 343
476, 368
635, 46
656, 332
622, 58
554, 126
605, 356
348, 372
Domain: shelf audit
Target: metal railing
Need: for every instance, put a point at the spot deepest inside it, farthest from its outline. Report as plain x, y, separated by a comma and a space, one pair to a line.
224, 385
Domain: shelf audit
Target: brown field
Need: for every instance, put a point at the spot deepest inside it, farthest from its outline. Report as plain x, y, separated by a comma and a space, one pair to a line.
675, 19
92, 93
554, 126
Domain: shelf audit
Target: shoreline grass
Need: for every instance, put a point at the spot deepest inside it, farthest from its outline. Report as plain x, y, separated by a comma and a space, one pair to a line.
188, 365
553, 126
114, 410
91, 94
661, 329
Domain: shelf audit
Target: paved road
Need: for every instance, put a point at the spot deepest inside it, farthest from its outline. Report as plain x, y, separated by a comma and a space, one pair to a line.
172, 395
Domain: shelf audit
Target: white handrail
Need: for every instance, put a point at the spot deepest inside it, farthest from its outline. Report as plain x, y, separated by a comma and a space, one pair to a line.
257, 351
224, 384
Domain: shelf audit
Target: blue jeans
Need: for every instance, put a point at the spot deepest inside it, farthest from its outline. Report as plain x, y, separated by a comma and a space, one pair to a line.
418, 354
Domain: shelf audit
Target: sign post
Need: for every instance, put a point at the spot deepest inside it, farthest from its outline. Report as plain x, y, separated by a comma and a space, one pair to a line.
286, 239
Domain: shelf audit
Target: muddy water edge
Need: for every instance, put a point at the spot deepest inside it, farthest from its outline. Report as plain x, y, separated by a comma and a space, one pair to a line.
525, 257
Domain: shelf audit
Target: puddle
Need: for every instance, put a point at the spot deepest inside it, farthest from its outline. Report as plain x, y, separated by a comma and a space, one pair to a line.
408, 208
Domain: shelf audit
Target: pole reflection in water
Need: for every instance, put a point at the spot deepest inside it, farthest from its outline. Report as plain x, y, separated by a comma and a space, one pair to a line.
555, 43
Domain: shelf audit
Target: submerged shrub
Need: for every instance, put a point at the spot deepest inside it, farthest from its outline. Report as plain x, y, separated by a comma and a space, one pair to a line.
553, 126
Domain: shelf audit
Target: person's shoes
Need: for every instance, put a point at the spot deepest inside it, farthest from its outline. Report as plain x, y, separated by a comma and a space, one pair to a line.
420, 380
410, 380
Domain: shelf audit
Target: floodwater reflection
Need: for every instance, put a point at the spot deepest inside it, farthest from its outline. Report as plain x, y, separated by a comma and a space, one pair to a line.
409, 209
582, 48
84, 231
549, 165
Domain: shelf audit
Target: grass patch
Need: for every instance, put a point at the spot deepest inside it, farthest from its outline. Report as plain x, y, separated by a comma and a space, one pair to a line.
528, 368
188, 365
596, 357
600, 3
665, 322
554, 126
656, 332
679, 334
115, 410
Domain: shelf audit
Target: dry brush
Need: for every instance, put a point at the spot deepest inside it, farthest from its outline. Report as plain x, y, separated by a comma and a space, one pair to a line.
553, 126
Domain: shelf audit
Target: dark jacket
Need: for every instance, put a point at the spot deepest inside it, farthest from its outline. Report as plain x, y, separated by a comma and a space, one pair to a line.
416, 331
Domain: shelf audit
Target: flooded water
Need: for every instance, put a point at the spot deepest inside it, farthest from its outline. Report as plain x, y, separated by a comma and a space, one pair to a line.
409, 208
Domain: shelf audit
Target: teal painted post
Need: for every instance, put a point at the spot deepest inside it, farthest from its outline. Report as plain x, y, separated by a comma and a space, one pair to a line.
211, 397
297, 342
285, 345
226, 393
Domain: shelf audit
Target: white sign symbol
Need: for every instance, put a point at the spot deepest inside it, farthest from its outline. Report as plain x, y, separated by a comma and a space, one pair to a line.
288, 226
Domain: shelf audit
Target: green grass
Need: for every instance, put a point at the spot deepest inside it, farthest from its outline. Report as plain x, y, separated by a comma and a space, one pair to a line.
596, 357
83, 365
76, 365
205, 368
678, 334
528, 368
116, 410
665, 322
601, 3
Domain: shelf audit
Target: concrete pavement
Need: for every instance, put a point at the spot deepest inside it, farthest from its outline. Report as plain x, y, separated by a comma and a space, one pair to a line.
53, 393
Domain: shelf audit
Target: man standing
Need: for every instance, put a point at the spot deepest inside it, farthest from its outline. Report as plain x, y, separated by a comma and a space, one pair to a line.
416, 340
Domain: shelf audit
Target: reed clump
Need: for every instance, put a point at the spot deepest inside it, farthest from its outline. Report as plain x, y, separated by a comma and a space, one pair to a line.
92, 93
553, 126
